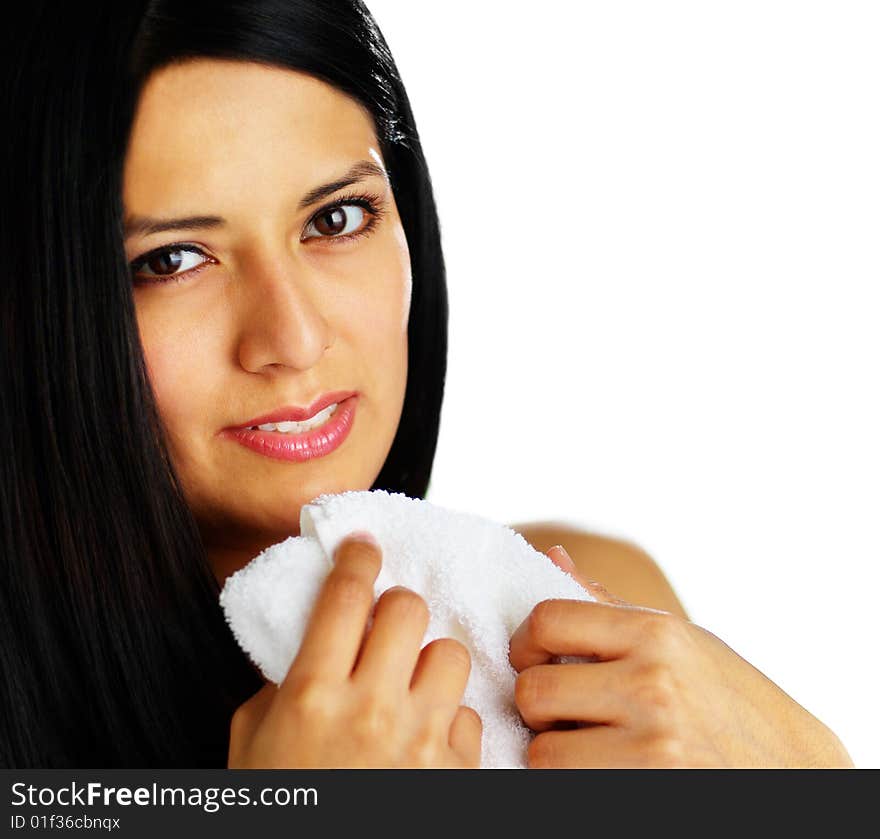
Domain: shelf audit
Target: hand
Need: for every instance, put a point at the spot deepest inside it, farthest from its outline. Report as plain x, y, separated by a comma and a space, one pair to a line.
663, 692
354, 698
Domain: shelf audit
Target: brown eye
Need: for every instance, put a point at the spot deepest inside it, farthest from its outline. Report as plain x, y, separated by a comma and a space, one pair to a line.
165, 263
172, 262
337, 221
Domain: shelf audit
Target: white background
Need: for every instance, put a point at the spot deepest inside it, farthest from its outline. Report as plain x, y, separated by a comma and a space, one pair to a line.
660, 222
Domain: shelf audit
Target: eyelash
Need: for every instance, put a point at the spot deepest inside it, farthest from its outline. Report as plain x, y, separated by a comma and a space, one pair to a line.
368, 201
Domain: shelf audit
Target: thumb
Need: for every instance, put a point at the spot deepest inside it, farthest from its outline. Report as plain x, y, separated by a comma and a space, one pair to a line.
560, 558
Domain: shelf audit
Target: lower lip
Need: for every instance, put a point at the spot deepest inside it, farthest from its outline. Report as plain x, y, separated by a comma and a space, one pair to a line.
300, 447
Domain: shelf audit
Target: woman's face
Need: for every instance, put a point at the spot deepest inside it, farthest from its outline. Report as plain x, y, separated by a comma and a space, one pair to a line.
274, 304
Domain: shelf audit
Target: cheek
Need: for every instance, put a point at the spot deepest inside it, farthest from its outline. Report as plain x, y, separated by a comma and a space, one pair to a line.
175, 365
165, 377
404, 267
380, 320
377, 305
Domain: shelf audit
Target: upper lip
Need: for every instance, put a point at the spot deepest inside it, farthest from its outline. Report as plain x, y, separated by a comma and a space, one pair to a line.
297, 414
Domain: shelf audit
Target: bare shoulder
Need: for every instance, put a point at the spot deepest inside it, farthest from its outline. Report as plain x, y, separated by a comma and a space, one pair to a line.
622, 567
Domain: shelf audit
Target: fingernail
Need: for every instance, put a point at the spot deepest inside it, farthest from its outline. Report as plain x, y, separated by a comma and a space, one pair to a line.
356, 536
563, 554
363, 536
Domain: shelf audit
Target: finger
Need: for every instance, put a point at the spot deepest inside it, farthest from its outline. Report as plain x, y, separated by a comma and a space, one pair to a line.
593, 747
391, 649
441, 673
335, 628
465, 736
560, 558
576, 627
601, 593
547, 693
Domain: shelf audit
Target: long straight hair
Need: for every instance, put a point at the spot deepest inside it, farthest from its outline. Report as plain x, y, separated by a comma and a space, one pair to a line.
113, 647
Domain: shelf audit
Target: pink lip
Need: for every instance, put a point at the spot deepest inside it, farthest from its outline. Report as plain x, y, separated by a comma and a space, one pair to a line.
299, 447
297, 414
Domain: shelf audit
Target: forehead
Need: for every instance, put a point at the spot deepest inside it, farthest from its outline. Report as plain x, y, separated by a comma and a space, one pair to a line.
210, 124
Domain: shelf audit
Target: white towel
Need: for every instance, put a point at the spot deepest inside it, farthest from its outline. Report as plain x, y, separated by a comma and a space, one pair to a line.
479, 578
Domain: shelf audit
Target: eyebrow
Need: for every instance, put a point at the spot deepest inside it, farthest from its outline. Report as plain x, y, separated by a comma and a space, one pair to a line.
145, 225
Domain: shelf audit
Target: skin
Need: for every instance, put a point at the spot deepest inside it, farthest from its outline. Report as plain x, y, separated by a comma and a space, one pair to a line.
398, 705
279, 313
663, 692
283, 315
622, 566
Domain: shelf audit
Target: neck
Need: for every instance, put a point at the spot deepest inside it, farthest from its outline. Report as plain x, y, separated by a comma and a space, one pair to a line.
226, 556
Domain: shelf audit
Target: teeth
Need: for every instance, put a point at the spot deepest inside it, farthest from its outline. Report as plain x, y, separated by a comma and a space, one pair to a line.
291, 427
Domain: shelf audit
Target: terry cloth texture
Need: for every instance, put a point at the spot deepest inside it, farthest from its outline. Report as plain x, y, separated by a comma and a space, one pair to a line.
479, 578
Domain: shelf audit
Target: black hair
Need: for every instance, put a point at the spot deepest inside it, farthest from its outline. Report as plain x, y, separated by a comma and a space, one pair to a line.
114, 650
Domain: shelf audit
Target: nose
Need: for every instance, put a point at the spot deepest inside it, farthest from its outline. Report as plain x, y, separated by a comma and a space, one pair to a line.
281, 321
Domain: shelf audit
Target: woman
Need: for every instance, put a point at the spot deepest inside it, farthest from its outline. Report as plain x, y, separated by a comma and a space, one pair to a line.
218, 217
